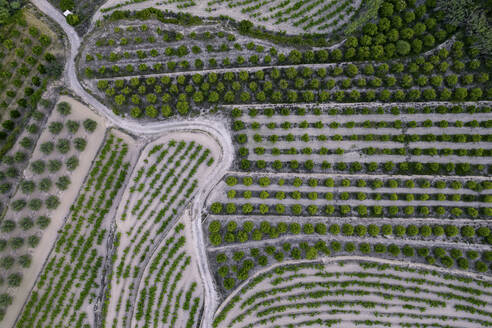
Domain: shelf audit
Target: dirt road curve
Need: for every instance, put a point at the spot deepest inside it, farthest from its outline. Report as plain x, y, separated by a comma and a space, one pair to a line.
214, 128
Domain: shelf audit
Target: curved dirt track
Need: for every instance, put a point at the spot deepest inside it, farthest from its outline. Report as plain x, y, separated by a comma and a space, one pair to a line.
214, 128
73, 83
211, 294
220, 132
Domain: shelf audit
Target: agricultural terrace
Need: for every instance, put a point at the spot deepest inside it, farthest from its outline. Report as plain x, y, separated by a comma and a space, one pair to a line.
448, 139
31, 56
353, 293
241, 246
424, 60
48, 186
149, 262
70, 283
171, 294
245, 163
386, 181
307, 16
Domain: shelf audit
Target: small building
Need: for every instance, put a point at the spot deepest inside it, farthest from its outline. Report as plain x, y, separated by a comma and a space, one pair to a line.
67, 12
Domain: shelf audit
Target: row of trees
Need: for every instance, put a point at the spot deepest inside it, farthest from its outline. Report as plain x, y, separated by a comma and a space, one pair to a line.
361, 110
405, 168
401, 138
243, 265
356, 195
369, 151
265, 181
348, 210
230, 232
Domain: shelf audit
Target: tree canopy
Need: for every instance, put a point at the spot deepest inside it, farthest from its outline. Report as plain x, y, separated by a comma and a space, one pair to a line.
7, 9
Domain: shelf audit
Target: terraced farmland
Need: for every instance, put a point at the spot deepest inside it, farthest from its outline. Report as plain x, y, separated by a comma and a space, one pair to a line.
292, 17
352, 293
245, 163
330, 135
170, 295
153, 89
38, 208
169, 173
70, 282
318, 181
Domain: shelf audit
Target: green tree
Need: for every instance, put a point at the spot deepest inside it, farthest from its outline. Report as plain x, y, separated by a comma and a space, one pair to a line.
215, 239
311, 253
90, 125
14, 279
52, 202
245, 26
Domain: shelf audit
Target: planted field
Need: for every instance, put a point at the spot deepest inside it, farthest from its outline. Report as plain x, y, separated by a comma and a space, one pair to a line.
417, 80
171, 294
360, 149
379, 146
31, 56
70, 283
391, 197
47, 187
307, 16
169, 173
319, 181
245, 163
357, 293
407, 55
446, 139
240, 247
153, 47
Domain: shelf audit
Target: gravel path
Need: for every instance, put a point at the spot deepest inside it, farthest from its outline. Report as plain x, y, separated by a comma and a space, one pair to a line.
450, 117
329, 238
354, 219
214, 128
353, 155
314, 132
354, 202
211, 295
152, 128
351, 176
329, 144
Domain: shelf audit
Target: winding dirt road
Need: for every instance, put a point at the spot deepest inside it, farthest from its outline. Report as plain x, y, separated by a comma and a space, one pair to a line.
214, 128
211, 295
72, 82
217, 128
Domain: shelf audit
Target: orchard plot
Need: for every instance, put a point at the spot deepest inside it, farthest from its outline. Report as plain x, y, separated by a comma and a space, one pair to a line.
71, 281
60, 161
353, 293
170, 171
